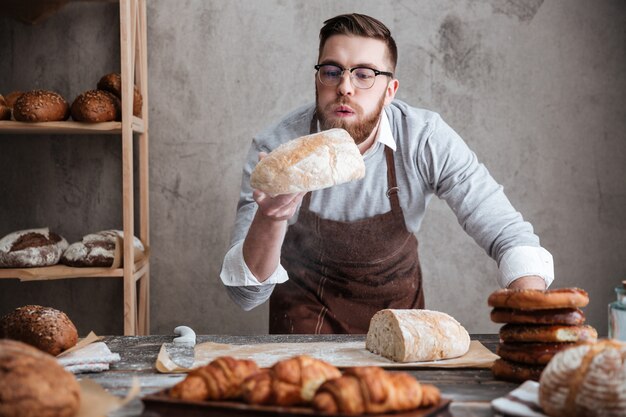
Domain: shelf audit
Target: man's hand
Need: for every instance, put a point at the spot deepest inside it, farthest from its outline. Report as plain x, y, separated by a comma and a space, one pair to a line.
530, 282
280, 207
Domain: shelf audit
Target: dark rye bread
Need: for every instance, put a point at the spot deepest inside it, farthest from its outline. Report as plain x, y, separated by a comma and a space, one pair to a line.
45, 328
96, 106
96, 249
33, 384
31, 248
40, 106
113, 84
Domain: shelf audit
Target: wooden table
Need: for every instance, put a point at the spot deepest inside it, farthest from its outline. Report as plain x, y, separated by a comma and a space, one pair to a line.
470, 389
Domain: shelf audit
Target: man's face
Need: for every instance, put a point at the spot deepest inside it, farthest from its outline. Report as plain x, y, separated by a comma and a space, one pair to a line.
345, 106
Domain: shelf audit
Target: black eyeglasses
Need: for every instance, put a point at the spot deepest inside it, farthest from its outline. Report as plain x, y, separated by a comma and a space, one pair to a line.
361, 77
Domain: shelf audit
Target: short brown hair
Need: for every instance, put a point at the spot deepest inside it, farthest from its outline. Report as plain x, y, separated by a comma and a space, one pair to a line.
359, 25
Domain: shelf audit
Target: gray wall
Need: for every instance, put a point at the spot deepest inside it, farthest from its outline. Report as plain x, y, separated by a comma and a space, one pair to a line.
536, 89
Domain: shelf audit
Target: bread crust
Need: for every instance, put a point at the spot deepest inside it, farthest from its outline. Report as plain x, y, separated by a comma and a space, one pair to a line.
40, 106
31, 248
527, 299
96, 106
113, 84
515, 372
32, 383
568, 316
45, 328
547, 333
309, 163
530, 353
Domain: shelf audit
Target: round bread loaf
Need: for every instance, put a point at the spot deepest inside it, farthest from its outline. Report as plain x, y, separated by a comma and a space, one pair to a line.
547, 333
33, 384
113, 84
586, 380
45, 328
515, 372
40, 106
96, 249
530, 353
5, 111
568, 316
526, 299
31, 248
95, 106
416, 335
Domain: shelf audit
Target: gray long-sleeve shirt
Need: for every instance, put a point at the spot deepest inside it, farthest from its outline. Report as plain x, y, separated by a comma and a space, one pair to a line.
430, 159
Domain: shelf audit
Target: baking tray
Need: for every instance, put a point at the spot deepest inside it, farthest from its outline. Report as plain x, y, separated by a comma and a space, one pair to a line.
161, 404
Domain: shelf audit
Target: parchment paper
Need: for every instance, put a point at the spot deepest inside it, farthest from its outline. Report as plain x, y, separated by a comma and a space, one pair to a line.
336, 353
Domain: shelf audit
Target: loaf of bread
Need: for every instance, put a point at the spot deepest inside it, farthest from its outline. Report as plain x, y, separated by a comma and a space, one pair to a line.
515, 371
370, 390
32, 383
568, 316
530, 299
45, 328
288, 382
12, 97
40, 106
309, 163
586, 380
530, 353
96, 106
547, 333
97, 249
5, 111
221, 379
113, 84
416, 335
31, 248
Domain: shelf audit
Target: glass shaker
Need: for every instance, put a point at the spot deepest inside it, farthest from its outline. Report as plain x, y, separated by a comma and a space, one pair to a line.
617, 314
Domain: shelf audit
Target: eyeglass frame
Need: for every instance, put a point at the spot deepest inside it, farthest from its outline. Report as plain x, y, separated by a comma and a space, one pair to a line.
351, 70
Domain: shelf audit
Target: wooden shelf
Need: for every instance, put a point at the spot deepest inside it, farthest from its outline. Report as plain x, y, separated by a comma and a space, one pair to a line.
68, 127
55, 272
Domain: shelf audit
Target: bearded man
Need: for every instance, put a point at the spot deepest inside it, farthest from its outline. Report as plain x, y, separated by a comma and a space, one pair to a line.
328, 260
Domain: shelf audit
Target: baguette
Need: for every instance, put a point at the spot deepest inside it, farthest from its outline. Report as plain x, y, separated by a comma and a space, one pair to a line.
309, 163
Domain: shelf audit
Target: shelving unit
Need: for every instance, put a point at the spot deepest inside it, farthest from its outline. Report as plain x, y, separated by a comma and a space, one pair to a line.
135, 272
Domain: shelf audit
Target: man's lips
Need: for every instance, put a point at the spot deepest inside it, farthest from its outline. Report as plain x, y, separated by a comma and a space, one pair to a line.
343, 111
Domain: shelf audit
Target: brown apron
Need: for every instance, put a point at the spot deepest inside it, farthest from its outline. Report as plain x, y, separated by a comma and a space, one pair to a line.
342, 273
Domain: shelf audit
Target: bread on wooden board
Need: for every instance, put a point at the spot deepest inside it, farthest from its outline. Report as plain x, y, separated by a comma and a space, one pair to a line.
413, 335
308, 163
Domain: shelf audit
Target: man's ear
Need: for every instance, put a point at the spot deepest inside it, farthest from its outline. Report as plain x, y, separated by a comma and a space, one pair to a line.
392, 88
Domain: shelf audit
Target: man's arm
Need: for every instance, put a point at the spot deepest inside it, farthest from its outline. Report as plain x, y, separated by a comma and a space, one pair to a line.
262, 245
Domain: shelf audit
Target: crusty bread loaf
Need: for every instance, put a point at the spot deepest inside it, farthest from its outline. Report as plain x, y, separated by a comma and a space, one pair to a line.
96, 106
309, 163
586, 380
531, 299
547, 333
31, 248
40, 106
45, 328
569, 316
530, 353
416, 335
113, 84
33, 384
515, 371
96, 249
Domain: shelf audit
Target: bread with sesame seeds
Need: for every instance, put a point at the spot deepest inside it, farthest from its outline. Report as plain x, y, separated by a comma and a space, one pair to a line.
96, 106
40, 106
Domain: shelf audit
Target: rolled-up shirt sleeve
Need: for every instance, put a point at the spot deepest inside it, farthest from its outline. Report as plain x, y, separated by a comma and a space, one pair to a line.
523, 261
235, 272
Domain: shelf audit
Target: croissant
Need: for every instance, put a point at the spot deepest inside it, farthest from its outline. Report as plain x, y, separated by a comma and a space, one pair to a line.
288, 382
370, 389
219, 380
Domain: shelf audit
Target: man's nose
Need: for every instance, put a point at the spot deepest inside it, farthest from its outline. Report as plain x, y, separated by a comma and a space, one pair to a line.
345, 86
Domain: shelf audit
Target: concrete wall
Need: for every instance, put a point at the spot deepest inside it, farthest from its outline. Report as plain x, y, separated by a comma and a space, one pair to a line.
536, 89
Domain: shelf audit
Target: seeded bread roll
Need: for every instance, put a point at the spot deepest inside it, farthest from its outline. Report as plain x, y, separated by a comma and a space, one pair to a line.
416, 335
45, 328
40, 106
33, 384
96, 106
96, 249
113, 84
31, 248
309, 163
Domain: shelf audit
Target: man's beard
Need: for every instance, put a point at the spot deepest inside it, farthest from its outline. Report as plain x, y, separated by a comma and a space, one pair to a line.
361, 128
